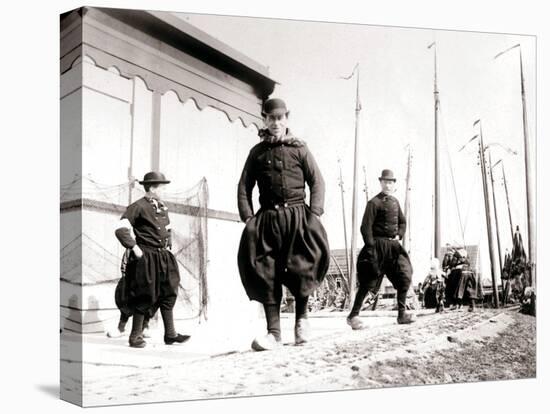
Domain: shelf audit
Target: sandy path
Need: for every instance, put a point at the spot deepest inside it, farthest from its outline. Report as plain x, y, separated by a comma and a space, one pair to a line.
437, 348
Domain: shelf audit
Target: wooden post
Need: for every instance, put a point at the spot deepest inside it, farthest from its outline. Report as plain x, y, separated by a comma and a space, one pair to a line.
131, 181
155, 132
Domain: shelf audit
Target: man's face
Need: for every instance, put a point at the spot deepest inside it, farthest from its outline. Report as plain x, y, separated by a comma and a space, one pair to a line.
387, 186
158, 189
276, 124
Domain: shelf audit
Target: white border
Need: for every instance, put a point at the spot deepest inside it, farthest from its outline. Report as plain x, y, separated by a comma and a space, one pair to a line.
30, 212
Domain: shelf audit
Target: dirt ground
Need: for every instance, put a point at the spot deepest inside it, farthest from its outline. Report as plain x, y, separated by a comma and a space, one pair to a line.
456, 346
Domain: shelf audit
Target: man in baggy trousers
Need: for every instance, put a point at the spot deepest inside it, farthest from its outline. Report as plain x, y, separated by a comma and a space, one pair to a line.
382, 228
284, 243
152, 270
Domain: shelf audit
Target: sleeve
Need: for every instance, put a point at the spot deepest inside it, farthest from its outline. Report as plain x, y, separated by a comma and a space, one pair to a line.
124, 230
169, 231
244, 189
402, 222
316, 183
367, 223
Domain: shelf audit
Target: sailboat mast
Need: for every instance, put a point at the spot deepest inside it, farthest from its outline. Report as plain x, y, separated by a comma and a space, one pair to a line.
528, 177
530, 204
341, 185
352, 276
406, 240
495, 211
365, 188
488, 216
437, 218
508, 202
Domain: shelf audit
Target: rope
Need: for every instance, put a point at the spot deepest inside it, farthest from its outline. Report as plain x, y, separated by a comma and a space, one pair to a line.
452, 174
470, 198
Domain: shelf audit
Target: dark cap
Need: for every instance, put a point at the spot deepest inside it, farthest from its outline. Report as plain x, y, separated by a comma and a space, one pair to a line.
154, 177
387, 175
274, 106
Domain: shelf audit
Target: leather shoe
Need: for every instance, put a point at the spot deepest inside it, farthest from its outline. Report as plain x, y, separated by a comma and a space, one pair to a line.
179, 339
404, 318
301, 331
137, 342
265, 343
355, 323
114, 333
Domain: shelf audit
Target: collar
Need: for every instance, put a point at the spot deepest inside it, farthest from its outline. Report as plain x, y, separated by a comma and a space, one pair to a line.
288, 138
383, 196
150, 196
156, 202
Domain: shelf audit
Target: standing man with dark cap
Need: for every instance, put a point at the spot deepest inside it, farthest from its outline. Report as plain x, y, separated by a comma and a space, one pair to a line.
382, 228
284, 243
152, 270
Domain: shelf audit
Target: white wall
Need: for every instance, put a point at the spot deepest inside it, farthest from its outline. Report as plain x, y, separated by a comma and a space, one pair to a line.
196, 144
116, 135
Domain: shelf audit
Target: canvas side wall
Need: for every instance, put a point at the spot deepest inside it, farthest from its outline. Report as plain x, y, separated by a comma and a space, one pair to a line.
70, 235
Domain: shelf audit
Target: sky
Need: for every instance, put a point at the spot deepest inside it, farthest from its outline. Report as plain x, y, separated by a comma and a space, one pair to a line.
308, 60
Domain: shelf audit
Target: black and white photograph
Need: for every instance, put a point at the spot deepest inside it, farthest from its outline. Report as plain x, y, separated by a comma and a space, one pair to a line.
275, 207
258, 206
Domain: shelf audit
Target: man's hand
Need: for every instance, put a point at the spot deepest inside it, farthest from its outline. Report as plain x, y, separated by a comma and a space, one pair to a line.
137, 251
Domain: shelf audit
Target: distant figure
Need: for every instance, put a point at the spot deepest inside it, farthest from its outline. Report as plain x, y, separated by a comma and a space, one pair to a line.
462, 284
382, 228
152, 270
529, 302
434, 287
284, 242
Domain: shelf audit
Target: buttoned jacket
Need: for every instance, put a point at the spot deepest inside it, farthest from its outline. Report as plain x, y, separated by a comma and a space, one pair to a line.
281, 169
383, 218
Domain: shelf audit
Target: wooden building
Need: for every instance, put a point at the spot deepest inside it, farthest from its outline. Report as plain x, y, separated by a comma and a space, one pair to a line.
142, 91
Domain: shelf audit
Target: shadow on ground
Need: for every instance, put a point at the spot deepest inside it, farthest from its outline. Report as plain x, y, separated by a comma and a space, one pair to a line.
50, 389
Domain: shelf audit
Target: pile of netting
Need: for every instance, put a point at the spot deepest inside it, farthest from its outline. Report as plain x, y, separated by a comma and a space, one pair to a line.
93, 258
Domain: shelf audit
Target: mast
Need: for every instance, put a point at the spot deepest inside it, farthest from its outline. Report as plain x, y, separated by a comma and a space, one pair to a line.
487, 214
495, 211
508, 203
365, 188
406, 240
437, 218
507, 198
527, 154
530, 204
352, 276
341, 185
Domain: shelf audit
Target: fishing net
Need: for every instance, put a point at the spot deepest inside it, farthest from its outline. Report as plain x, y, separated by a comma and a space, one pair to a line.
92, 259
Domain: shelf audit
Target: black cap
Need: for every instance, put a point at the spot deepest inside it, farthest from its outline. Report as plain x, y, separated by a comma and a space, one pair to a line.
154, 177
274, 106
